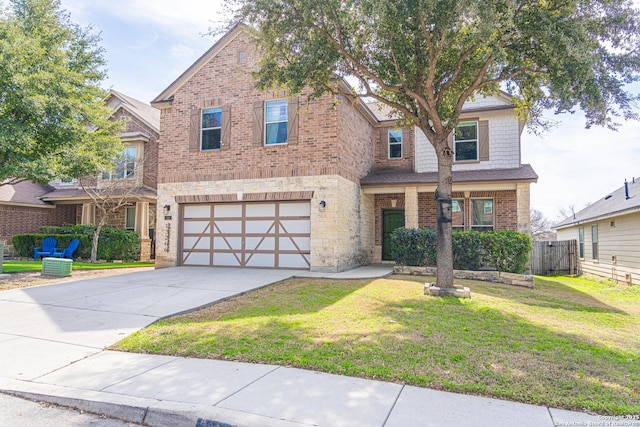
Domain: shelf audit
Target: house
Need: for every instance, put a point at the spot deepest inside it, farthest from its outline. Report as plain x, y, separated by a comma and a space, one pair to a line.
26, 206
270, 180
608, 235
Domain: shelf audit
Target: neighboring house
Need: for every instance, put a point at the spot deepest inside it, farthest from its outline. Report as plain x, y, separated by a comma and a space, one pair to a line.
26, 206
608, 235
267, 180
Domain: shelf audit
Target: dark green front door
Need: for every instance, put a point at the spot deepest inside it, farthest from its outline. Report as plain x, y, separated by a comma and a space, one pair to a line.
391, 219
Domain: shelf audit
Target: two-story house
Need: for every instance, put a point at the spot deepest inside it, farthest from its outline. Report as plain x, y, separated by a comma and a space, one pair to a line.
269, 180
26, 206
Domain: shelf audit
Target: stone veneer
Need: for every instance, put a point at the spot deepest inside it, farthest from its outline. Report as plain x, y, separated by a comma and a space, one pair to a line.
341, 234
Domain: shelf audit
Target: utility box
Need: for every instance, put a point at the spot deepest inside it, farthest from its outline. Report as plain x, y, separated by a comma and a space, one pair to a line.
56, 267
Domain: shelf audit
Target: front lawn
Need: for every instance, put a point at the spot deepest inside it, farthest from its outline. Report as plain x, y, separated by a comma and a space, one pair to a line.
24, 266
569, 343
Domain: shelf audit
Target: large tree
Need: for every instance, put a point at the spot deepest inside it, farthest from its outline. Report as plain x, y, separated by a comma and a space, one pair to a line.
426, 58
53, 121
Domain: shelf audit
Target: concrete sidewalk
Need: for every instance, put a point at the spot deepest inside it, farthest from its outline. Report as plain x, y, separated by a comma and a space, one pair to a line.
51, 349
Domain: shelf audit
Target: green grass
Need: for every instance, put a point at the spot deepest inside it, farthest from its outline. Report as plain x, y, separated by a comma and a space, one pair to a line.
569, 343
24, 266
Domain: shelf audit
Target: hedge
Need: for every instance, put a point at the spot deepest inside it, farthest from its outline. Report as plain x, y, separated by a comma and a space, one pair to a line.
114, 243
506, 251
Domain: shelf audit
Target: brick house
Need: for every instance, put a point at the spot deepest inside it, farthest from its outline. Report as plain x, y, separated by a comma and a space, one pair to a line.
26, 206
267, 180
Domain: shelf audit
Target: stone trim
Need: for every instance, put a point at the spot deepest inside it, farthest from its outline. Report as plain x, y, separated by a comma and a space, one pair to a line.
522, 280
246, 197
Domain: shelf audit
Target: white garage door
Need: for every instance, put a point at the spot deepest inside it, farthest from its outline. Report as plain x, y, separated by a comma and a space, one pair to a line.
273, 234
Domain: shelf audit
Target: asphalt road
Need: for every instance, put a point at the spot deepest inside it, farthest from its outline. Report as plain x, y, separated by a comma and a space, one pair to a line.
16, 412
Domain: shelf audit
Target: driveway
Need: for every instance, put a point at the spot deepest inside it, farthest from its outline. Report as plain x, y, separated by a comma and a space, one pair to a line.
45, 328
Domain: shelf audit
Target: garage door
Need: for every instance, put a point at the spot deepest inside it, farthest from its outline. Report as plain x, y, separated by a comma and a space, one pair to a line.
274, 234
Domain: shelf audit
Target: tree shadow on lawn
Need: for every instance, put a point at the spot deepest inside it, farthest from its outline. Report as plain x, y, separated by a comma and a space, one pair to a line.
547, 293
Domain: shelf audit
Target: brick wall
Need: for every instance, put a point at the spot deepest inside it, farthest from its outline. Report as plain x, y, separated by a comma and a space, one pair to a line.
505, 208
150, 159
22, 220
381, 147
356, 139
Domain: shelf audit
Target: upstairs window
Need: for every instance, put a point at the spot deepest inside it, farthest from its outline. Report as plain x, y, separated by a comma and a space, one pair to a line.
395, 144
211, 129
125, 165
276, 120
466, 142
482, 214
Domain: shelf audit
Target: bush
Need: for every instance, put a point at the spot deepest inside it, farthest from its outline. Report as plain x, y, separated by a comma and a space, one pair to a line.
467, 250
507, 250
412, 246
114, 243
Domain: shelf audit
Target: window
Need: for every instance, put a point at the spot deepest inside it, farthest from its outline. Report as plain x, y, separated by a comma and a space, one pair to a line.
130, 220
482, 214
594, 241
395, 143
457, 214
276, 122
211, 126
125, 165
466, 141
581, 242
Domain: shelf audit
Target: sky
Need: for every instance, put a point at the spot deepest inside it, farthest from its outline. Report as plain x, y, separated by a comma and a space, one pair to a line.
149, 43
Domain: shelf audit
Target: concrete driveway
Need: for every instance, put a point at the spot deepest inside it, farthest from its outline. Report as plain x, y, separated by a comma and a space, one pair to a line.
45, 328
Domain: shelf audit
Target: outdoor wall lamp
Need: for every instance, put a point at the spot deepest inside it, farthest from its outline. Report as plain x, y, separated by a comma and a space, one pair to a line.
167, 208
323, 204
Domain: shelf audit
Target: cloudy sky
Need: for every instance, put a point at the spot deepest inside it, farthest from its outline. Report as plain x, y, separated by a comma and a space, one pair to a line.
149, 43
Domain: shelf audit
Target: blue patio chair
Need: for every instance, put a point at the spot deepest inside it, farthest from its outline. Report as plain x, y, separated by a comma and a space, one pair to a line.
48, 248
68, 251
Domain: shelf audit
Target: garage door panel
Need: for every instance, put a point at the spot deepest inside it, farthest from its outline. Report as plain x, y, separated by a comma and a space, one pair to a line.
248, 234
295, 209
193, 227
226, 259
260, 243
261, 210
228, 243
197, 211
296, 226
228, 227
189, 242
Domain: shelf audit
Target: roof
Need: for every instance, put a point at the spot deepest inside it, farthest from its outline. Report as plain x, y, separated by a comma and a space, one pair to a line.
145, 112
615, 203
24, 193
524, 173
79, 193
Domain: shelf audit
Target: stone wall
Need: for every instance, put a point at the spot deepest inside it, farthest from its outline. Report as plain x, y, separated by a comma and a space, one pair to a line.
336, 231
485, 276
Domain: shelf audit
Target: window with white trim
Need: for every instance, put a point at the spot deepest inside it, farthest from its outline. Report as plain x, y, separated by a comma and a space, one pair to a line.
211, 129
482, 217
276, 120
130, 218
465, 144
395, 143
125, 165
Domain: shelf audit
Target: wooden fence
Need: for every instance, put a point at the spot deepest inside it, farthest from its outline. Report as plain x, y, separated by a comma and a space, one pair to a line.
549, 258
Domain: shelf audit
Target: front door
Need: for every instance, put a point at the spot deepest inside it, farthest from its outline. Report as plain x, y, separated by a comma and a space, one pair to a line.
391, 219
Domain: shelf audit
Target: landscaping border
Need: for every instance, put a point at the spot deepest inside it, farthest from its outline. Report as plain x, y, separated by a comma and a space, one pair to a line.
522, 280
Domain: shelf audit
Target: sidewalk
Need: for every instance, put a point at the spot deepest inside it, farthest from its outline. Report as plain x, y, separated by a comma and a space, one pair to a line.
58, 358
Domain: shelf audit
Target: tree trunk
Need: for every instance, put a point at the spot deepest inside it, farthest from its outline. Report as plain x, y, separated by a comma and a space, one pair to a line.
94, 243
444, 194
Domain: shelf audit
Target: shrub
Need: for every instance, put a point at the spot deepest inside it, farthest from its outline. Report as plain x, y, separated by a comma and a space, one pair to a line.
114, 243
507, 250
467, 250
412, 246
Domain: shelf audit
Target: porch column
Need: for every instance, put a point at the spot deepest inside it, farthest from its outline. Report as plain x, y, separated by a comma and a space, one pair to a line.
88, 214
142, 228
523, 200
411, 207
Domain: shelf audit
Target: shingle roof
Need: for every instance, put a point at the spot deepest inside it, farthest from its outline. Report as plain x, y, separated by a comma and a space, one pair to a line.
524, 173
611, 204
70, 193
25, 193
147, 113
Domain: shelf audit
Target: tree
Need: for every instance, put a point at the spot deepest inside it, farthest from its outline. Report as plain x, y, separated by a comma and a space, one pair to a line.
541, 227
53, 121
425, 58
